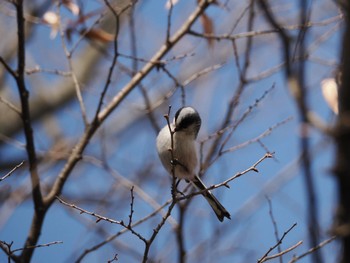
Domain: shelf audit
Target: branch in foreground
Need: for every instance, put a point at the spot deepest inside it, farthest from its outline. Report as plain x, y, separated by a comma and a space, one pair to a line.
83, 211
12, 171
252, 168
148, 242
311, 250
263, 258
274, 223
225, 183
282, 252
103, 218
109, 239
10, 252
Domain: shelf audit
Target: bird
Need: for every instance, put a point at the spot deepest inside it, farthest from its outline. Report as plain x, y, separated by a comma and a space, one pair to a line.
179, 154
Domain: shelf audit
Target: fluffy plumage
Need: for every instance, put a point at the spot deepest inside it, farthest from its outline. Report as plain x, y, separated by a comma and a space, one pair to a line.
186, 125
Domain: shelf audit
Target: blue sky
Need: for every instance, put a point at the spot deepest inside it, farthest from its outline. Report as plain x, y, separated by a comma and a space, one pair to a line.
131, 150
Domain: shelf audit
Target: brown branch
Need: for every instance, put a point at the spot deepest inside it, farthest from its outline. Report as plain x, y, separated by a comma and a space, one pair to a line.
104, 113
103, 218
11, 106
156, 231
7, 67
274, 223
266, 133
157, 57
280, 254
83, 211
109, 239
295, 75
234, 102
312, 250
70, 65
227, 181
342, 140
39, 207
37, 246
255, 33
114, 60
7, 248
262, 259
11, 172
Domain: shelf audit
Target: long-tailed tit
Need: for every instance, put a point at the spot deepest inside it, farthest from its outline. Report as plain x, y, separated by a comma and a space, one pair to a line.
182, 161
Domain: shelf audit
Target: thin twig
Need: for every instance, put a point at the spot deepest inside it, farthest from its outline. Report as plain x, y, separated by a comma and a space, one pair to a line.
70, 65
262, 259
114, 60
274, 226
8, 68
280, 254
255, 33
37, 246
11, 106
10, 252
171, 150
83, 211
109, 239
11, 172
266, 133
131, 206
226, 182
311, 250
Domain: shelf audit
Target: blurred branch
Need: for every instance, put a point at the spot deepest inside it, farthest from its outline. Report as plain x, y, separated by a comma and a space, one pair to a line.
295, 75
70, 66
7, 248
342, 140
11, 106
255, 33
235, 99
274, 223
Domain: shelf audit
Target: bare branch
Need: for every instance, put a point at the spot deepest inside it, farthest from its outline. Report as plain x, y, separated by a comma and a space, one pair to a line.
263, 258
7, 67
83, 211
274, 225
11, 172
11, 106
40, 245
70, 65
311, 250
280, 254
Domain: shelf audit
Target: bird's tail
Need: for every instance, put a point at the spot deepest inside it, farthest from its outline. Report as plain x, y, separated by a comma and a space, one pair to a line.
218, 208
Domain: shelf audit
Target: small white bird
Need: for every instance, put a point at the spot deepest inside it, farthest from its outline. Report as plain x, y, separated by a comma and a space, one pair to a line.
186, 126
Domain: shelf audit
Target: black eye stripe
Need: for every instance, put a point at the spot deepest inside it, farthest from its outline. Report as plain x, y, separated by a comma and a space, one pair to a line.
188, 120
178, 112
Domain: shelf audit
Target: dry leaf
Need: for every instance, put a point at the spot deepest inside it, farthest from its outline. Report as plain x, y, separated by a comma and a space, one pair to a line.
71, 6
98, 34
51, 19
169, 2
330, 93
208, 28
